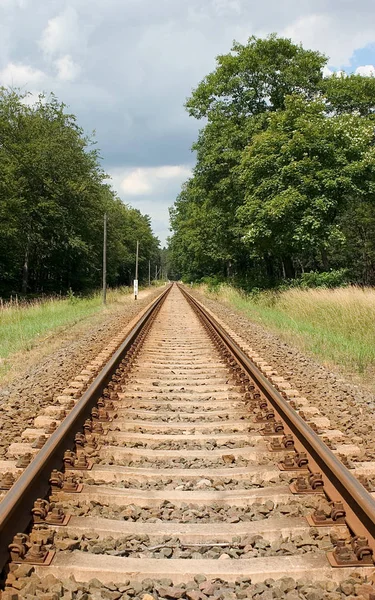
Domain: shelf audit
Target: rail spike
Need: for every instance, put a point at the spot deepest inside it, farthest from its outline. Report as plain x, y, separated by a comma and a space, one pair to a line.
356, 554
313, 484
40, 511
319, 517
6, 481
56, 480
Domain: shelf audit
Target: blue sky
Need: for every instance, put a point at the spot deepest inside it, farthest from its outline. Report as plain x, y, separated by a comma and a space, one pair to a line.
125, 68
361, 56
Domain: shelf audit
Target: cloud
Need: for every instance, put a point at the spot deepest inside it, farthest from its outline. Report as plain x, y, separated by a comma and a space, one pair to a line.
366, 71
61, 33
126, 68
67, 70
13, 3
20, 75
136, 183
327, 72
227, 7
335, 33
152, 190
145, 181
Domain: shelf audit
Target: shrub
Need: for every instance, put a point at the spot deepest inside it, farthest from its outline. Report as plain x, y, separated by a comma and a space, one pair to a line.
328, 279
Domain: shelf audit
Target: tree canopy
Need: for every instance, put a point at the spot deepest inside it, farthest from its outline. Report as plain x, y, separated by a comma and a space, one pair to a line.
53, 196
285, 156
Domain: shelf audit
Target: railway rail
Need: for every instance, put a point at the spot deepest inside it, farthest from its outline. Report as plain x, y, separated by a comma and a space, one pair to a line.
183, 472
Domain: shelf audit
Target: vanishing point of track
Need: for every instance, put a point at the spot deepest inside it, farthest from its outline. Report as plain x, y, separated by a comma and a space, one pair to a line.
181, 462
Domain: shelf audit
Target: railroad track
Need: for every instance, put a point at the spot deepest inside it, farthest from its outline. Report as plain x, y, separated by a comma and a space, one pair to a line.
182, 472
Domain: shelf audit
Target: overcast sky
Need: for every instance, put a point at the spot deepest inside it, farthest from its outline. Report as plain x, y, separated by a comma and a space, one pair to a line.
125, 68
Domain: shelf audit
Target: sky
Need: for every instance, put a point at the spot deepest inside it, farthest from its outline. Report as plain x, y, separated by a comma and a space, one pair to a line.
126, 67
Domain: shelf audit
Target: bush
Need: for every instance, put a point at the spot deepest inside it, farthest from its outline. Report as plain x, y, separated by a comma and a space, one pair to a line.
213, 282
329, 279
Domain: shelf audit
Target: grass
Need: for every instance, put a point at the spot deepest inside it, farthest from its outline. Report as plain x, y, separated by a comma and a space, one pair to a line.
23, 325
336, 325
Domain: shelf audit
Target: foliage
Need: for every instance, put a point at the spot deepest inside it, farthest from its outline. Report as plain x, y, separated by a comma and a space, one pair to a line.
298, 175
332, 279
213, 283
53, 196
285, 175
256, 78
349, 94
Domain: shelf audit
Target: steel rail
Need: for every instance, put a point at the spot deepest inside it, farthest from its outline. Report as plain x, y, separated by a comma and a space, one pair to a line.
33, 483
339, 483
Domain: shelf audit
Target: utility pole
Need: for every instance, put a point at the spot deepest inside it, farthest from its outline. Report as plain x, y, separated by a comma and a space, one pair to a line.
136, 273
105, 260
156, 272
149, 273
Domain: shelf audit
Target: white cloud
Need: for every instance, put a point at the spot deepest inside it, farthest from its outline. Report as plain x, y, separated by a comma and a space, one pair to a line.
61, 33
67, 70
334, 34
327, 72
12, 3
341, 74
366, 71
136, 183
20, 75
171, 172
152, 190
32, 97
139, 61
225, 8
144, 181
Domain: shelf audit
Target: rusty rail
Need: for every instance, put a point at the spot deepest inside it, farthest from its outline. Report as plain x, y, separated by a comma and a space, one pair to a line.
339, 483
33, 483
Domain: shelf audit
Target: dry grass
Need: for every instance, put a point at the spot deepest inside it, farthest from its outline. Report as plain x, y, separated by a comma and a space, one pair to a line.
337, 325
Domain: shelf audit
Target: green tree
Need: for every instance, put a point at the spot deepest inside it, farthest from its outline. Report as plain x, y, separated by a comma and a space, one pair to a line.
248, 83
53, 196
299, 175
284, 172
256, 77
349, 93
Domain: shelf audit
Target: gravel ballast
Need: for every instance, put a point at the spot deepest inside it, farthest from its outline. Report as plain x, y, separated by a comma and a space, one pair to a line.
350, 407
200, 588
25, 397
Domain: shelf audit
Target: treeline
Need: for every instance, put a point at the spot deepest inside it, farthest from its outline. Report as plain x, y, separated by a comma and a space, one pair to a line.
53, 197
284, 182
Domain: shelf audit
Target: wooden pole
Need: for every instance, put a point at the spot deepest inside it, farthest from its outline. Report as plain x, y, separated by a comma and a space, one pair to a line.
136, 273
149, 273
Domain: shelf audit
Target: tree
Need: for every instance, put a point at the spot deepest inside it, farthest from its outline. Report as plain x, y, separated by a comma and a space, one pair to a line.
348, 94
256, 77
247, 84
53, 196
284, 157
299, 175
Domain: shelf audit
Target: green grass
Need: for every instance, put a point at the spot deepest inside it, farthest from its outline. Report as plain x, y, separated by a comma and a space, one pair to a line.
23, 325
337, 325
